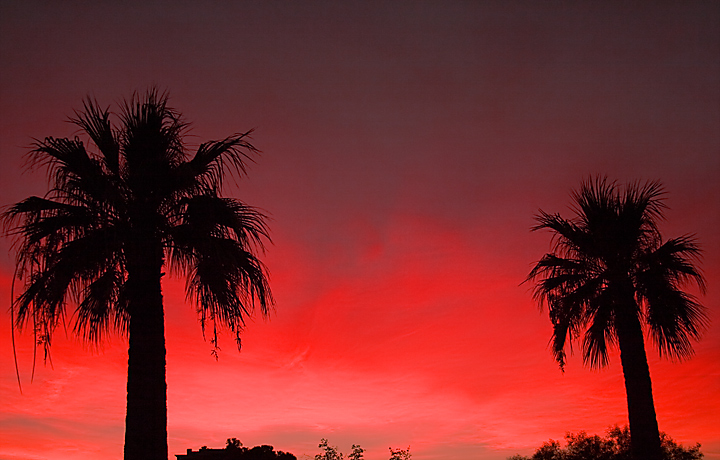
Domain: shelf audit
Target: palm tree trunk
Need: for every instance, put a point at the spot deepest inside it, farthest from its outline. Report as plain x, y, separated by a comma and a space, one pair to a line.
146, 418
644, 433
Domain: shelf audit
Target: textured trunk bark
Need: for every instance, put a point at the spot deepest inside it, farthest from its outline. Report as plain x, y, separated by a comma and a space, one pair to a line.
644, 433
146, 418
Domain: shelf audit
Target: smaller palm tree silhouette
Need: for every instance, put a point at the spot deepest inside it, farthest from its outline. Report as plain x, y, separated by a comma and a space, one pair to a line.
609, 274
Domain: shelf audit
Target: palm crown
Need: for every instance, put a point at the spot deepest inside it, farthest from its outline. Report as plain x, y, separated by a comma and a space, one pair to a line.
78, 239
610, 250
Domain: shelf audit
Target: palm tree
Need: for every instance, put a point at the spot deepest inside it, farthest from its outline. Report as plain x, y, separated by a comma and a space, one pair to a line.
611, 274
113, 219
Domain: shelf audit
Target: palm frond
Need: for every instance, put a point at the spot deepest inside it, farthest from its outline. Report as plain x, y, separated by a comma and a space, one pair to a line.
568, 319
15, 218
596, 198
44, 219
673, 262
55, 274
226, 282
599, 336
560, 227
647, 200
96, 123
74, 175
225, 259
100, 311
151, 147
214, 244
675, 318
214, 159
152, 133
209, 214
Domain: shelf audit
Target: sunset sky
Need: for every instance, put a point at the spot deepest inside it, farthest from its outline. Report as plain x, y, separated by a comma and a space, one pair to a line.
407, 146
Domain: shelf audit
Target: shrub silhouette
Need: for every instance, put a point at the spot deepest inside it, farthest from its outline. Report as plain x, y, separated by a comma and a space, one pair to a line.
615, 446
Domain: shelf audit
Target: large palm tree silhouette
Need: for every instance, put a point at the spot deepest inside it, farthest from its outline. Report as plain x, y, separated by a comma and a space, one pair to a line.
610, 274
113, 219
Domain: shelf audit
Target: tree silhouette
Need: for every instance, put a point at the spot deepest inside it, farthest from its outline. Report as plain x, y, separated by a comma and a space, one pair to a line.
328, 452
113, 219
357, 453
400, 454
609, 273
233, 444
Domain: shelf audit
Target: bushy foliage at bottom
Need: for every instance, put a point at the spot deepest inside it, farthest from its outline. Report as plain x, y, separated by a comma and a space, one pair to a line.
615, 446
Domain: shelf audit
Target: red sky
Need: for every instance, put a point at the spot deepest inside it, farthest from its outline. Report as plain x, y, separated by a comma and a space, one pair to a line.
406, 149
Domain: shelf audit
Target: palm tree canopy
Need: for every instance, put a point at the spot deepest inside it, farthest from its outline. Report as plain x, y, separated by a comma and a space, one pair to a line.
611, 249
75, 244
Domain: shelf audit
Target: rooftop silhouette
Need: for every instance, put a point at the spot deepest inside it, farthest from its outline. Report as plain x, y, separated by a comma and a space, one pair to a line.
234, 450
